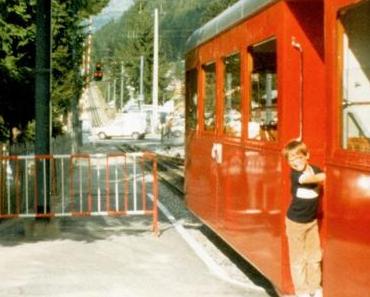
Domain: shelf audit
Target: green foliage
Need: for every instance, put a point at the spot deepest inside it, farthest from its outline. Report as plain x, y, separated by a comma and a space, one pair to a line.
214, 9
4, 133
17, 36
17, 58
29, 133
132, 36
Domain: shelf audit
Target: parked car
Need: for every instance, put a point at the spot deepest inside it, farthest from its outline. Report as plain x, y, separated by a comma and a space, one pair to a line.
128, 124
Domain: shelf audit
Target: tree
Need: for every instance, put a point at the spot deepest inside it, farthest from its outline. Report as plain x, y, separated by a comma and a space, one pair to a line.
17, 36
17, 55
215, 8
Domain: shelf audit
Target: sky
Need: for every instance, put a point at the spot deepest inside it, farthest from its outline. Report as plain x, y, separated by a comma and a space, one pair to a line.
113, 10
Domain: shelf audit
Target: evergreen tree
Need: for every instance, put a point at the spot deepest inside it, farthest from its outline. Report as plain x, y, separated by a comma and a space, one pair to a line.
17, 57
17, 51
214, 8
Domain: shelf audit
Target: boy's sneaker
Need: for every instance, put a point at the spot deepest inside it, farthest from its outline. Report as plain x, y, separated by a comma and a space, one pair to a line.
318, 293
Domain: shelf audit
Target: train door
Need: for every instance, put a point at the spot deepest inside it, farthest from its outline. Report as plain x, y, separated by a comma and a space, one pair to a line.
192, 163
210, 151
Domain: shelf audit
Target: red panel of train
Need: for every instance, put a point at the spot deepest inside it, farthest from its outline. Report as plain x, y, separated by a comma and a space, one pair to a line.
258, 75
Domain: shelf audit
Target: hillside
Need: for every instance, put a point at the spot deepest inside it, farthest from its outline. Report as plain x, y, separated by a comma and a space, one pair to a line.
124, 40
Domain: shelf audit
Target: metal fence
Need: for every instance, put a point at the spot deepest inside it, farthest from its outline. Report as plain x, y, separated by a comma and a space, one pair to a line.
61, 144
79, 185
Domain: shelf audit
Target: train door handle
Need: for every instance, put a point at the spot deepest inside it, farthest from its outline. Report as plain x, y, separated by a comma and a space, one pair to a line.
216, 152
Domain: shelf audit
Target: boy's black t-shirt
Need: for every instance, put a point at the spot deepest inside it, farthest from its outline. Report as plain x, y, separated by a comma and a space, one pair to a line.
305, 198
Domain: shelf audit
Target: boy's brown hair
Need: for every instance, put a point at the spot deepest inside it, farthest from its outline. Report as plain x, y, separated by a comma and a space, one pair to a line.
296, 146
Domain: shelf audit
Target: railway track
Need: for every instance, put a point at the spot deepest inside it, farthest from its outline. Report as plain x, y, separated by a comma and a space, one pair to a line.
170, 169
96, 108
93, 109
171, 172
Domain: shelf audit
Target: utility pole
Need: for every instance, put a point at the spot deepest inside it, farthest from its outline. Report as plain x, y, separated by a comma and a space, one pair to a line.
76, 126
121, 94
155, 73
43, 102
114, 91
141, 96
108, 92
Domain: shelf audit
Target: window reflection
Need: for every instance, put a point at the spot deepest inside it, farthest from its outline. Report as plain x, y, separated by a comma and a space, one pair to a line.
210, 97
232, 114
263, 117
356, 78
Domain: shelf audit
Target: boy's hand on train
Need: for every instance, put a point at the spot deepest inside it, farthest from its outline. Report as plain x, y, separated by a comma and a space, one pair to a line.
308, 178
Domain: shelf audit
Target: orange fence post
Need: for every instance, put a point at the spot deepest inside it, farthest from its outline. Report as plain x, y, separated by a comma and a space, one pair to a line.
155, 198
143, 188
5, 183
126, 184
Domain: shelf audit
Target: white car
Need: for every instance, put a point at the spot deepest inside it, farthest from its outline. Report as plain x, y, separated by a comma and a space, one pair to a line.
128, 124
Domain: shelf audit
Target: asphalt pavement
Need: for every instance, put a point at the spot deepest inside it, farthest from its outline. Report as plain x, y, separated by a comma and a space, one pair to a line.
108, 257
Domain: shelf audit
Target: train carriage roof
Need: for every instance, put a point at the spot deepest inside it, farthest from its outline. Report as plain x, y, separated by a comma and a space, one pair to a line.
231, 16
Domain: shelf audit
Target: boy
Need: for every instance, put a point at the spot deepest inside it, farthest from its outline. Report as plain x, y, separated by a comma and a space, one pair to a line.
301, 222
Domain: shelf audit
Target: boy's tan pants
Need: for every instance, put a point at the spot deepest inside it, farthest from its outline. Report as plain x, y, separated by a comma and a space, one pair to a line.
305, 255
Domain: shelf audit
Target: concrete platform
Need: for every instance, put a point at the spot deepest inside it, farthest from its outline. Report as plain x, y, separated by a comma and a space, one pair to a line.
105, 257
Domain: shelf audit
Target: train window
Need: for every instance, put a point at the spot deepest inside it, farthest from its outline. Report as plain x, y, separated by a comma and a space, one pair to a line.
232, 115
210, 97
263, 116
191, 98
356, 77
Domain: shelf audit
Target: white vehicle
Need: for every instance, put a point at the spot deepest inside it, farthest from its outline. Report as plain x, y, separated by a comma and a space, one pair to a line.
128, 124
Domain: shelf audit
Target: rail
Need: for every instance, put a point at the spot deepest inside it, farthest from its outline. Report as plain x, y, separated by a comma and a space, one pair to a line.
170, 169
171, 172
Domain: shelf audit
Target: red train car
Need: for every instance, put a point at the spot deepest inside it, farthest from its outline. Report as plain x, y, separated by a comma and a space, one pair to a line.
258, 75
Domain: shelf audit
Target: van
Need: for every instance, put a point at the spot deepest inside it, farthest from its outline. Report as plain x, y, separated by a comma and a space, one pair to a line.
132, 124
